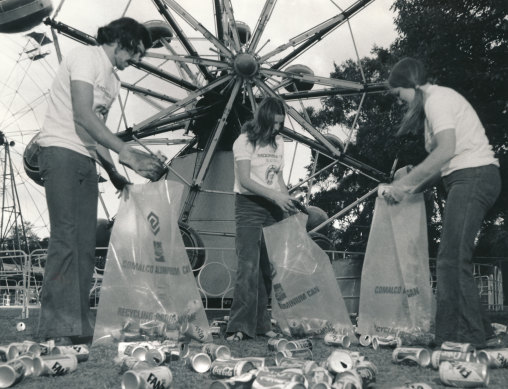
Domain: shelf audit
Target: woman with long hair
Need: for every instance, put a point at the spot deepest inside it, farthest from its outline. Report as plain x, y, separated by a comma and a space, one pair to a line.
261, 200
459, 153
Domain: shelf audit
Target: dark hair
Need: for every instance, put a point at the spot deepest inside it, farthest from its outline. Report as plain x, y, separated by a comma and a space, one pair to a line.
260, 128
127, 32
410, 73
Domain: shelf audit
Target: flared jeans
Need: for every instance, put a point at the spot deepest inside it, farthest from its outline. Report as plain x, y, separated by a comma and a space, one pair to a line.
249, 311
460, 316
71, 185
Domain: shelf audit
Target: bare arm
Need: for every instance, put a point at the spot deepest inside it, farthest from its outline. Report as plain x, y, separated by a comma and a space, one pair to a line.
281, 199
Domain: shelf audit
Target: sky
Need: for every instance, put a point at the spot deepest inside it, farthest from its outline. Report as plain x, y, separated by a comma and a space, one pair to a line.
24, 84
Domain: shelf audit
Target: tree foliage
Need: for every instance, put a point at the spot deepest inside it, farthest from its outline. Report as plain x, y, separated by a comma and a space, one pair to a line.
463, 46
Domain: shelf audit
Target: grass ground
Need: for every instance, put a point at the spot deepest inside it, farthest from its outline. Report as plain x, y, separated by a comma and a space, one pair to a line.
100, 372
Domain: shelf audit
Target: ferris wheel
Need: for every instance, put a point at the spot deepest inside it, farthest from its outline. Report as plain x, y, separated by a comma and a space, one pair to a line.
201, 80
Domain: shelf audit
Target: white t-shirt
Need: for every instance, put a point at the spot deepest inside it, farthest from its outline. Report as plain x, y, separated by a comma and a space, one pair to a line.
447, 109
265, 162
84, 63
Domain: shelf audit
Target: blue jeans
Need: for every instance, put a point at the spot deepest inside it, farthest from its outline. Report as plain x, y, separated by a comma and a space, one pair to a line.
249, 313
460, 316
71, 184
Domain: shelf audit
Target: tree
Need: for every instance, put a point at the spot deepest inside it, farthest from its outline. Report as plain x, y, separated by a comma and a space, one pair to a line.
463, 46
16, 239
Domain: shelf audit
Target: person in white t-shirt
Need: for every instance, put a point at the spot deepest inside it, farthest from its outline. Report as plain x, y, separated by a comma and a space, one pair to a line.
459, 153
73, 137
261, 200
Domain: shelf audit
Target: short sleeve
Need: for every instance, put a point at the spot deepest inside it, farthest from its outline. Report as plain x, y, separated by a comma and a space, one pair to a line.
242, 148
280, 144
440, 112
81, 67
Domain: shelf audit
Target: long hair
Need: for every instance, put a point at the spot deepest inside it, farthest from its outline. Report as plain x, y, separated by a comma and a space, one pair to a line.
259, 130
410, 73
127, 32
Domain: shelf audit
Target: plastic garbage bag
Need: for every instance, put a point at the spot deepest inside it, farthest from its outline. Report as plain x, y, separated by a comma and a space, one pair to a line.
306, 297
395, 294
148, 290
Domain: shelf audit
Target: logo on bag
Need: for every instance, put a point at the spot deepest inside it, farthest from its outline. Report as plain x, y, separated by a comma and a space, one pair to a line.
159, 253
153, 219
279, 292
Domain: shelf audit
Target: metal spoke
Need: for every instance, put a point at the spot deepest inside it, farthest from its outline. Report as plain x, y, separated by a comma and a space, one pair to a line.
232, 24
182, 103
182, 66
189, 59
148, 92
261, 24
368, 88
219, 26
198, 27
312, 79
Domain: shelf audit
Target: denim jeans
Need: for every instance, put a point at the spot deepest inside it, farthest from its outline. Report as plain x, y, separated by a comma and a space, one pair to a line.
249, 313
71, 184
460, 316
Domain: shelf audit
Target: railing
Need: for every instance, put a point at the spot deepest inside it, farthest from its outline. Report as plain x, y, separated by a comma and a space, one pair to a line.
21, 278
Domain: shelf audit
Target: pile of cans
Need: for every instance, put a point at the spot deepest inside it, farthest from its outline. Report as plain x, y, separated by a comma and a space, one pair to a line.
19, 361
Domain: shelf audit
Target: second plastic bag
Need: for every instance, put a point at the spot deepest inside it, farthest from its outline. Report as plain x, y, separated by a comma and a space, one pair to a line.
148, 290
306, 297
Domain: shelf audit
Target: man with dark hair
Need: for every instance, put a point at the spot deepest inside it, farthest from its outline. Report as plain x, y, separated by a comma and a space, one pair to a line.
73, 137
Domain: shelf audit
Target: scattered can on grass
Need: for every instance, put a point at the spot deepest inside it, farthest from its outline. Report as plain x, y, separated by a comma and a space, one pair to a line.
339, 361
413, 385
299, 343
454, 346
411, 355
300, 353
56, 365
349, 379
81, 351
156, 377
11, 372
493, 358
365, 340
266, 379
367, 372
242, 381
132, 363
199, 362
8, 352
277, 344
340, 340
385, 341
464, 374
439, 356
230, 368
216, 351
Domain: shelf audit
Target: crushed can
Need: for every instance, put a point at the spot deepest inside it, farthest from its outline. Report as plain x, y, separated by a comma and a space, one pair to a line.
461, 347
439, 356
243, 381
267, 379
216, 351
337, 340
300, 353
230, 368
367, 372
299, 343
349, 379
81, 351
193, 331
277, 344
258, 362
493, 358
132, 363
339, 361
319, 375
464, 374
386, 341
163, 355
412, 356
156, 377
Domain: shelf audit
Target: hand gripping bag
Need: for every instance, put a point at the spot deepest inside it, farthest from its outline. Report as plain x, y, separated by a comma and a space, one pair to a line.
148, 290
306, 299
395, 295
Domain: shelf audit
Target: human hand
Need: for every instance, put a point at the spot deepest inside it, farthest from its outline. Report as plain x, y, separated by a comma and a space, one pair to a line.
118, 180
145, 164
393, 194
285, 202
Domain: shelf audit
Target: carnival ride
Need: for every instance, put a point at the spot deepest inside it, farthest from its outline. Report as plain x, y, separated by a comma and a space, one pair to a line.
200, 91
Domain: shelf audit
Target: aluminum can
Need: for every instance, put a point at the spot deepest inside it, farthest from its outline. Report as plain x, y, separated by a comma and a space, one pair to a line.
339, 361
81, 351
388, 341
162, 355
199, 362
11, 372
46, 347
454, 346
277, 344
494, 358
28, 347
340, 340
299, 343
365, 340
258, 362
230, 368
411, 356
59, 364
216, 351
319, 375
414, 385
132, 363
8, 352
34, 366
219, 323
279, 380
243, 381
289, 363
320, 385
439, 356
299, 353
156, 377
349, 379
152, 328
464, 374
196, 332
367, 372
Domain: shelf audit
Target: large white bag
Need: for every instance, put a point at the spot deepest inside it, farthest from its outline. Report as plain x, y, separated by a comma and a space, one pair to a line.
148, 285
395, 294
